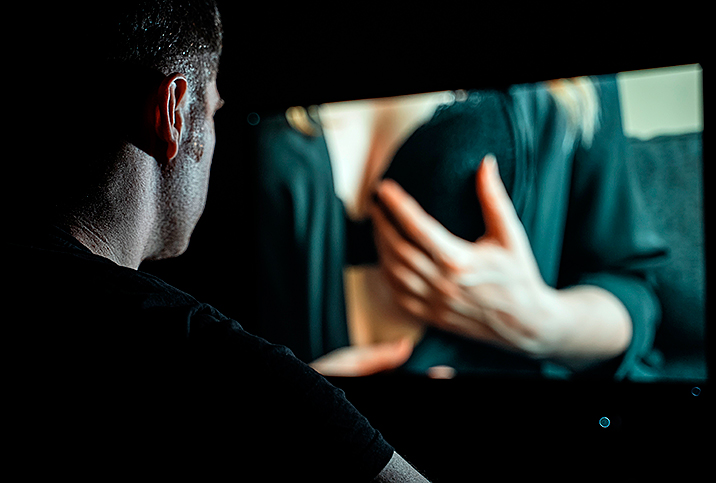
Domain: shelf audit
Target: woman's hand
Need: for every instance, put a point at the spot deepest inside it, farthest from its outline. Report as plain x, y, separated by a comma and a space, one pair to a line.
354, 361
489, 290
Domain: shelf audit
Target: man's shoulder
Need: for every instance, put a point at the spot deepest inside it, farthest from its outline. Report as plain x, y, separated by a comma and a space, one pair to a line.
56, 278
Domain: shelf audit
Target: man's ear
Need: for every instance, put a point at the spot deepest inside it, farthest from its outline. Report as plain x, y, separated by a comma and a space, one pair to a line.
169, 119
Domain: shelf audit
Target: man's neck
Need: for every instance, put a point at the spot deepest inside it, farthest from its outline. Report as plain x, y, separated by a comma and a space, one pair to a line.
119, 225
103, 243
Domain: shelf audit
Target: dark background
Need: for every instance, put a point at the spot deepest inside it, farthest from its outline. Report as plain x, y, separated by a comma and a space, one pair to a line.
281, 55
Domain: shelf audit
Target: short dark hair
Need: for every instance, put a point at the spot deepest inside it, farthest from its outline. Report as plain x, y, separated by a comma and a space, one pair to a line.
96, 68
150, 39
167, 36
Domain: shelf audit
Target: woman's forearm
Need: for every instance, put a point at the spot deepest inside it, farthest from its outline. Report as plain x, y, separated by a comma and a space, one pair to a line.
597, 326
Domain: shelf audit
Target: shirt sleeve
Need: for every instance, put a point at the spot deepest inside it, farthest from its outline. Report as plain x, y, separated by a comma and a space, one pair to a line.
609, 241
276, 412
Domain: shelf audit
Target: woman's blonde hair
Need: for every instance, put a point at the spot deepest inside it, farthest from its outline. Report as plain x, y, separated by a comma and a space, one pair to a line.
579, 99
304, 120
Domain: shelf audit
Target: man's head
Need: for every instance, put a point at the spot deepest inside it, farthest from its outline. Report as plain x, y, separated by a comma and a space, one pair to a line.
148, 38
133, 93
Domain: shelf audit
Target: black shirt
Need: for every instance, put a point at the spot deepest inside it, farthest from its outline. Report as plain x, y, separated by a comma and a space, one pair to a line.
115, 365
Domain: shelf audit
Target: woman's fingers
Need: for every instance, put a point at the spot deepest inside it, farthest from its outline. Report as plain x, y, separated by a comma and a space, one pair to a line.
355, 361
399, 257
501, 221
416, 226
